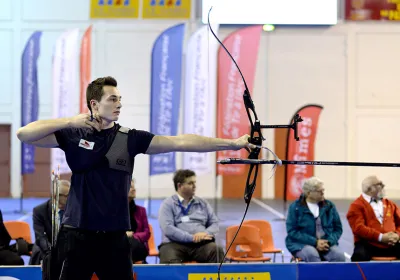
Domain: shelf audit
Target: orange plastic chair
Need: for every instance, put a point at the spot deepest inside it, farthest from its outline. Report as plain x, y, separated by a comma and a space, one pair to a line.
249, 236
384, 259
267, 239
19, 229
153, 252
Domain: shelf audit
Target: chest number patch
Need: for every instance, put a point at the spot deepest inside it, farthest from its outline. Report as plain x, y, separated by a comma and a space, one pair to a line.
86, 144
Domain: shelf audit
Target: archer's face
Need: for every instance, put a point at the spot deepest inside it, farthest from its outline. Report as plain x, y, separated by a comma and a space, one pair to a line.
110, 105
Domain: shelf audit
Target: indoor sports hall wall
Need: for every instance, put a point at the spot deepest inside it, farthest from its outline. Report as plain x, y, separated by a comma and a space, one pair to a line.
349, 69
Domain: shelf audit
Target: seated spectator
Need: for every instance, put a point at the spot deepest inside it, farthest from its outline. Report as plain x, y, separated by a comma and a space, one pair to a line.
140, 232
313, 226
188, 225
375, 222
8, 256
42, 224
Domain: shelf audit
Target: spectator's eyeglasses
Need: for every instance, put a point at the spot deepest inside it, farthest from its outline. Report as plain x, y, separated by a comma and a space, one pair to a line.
378, 184
319, 191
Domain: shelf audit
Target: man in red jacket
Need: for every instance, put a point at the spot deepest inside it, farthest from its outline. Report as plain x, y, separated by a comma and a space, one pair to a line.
375, 222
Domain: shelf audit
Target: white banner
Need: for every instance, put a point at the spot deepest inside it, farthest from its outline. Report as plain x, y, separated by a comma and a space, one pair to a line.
64, 87
200, 94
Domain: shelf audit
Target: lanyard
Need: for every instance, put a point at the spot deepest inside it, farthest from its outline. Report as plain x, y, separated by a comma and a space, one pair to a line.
185, 211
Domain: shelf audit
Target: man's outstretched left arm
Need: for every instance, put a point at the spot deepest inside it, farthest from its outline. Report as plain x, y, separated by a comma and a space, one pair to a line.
195, 143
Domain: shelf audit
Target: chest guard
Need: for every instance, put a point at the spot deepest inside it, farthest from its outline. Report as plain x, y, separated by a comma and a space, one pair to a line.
118, 154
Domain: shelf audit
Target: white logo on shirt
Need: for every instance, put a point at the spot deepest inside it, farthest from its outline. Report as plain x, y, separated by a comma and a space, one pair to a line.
86, 144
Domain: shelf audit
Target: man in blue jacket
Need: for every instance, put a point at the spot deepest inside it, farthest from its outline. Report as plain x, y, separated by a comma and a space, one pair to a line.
313, 226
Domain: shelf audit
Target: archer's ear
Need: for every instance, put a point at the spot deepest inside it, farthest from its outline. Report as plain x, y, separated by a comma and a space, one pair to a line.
94, 104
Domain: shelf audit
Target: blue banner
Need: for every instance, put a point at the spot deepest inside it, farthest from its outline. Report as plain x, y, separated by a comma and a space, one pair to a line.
29, 97
166, 72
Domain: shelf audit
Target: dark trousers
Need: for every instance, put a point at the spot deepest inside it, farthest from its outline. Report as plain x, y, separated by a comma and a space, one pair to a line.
204, 252
139, 251
83, 253
8, 257
363, 252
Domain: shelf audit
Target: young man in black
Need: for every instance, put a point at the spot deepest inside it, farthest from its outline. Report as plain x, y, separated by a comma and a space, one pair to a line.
101, 154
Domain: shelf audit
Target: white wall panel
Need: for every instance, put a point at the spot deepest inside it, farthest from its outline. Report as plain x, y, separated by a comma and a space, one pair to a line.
55, 10
311, 68
7, 68
128, 57
6, 8
377, 74
377, 138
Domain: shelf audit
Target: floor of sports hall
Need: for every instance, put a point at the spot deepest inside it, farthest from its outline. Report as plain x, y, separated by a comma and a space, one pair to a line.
230, 212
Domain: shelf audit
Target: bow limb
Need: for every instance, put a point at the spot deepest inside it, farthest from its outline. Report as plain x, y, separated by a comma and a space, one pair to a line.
255, 138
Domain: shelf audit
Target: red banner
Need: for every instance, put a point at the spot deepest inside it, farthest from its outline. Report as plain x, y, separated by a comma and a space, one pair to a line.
302, 150
85, 67
232, 120
373, 10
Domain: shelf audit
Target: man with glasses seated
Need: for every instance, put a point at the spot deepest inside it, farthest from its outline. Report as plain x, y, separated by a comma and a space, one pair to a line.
375, 222
188, 224
313, 226
42, 223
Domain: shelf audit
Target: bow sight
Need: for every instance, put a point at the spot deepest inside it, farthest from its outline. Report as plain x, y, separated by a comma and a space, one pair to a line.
249, 104
256, 138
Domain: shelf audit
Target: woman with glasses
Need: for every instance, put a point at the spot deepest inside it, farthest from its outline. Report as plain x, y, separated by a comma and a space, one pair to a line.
313, 226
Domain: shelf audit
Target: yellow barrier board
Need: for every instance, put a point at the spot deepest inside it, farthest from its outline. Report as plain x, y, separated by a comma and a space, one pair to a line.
231, 276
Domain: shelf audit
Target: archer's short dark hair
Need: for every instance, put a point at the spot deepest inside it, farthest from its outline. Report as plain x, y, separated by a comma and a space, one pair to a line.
95, 89
181, 175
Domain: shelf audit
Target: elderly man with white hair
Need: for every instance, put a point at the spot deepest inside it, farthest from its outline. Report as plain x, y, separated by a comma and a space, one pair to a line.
313, 226
375, 222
